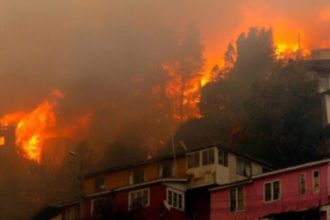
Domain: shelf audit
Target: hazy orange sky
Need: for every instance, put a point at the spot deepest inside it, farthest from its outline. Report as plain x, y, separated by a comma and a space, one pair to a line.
110, 51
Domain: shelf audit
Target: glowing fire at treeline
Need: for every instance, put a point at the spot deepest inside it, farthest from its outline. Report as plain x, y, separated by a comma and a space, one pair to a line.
33, 128
185, 93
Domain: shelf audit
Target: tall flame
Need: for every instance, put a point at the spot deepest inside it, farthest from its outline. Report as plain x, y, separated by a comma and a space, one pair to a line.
183, 93
33, 128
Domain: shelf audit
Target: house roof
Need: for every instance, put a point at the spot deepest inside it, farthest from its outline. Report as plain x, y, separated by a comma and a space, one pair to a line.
68, 203
179, 154
226, 148
320, 66
272, 173
292, 168
132, 165
181, 180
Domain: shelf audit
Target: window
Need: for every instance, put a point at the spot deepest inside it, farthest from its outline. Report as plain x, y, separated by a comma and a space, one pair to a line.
139, 198
208, 156
236, 199
223, 158
99, 183
302, 184
166, 169
316, 181
175, 199
98, 205
272, 191
243, 167
137, 176
2, 140
193, 160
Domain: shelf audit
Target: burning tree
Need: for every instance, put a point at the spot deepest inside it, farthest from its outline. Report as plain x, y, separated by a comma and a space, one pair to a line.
185, 76
263, 105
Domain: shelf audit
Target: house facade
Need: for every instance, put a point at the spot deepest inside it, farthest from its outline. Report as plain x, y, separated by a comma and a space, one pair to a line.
300, 192
163, 188
319, 66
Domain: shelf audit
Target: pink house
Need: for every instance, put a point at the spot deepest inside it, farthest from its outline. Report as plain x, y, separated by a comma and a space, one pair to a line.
299, 192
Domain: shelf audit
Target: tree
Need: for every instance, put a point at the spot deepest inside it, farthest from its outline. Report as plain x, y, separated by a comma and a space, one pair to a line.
281, 116
264, 107
222, 100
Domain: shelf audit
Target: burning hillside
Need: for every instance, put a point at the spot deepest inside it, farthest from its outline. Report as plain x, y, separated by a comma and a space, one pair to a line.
33, 128
117, 71
129, 73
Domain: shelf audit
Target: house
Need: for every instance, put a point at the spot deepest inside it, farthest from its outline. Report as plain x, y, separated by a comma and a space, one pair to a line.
168, 187
214, 166
319, 65
150, 189
295, 193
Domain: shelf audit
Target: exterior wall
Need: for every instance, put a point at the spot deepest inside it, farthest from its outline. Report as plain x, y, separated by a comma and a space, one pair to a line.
256, 169
232, 164
116, 180
181, 168
88, 186
203, 175
290, 199
217, 173
198, 204
119, 179
155, 210
150, 172
113, 180
222, 174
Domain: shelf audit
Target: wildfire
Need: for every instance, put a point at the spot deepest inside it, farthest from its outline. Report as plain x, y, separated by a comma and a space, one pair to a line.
183, 93
33, 128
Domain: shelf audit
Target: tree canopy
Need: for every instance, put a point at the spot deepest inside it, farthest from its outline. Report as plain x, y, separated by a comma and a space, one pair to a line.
263, 106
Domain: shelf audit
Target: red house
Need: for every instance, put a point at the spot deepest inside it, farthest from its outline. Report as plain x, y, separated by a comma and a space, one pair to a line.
159, 199
162, 188
299, 192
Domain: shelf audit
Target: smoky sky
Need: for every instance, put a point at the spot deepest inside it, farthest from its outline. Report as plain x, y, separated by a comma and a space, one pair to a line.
105, 55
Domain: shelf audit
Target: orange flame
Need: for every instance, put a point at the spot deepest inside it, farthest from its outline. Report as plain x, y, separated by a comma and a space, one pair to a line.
183, 93
33, 128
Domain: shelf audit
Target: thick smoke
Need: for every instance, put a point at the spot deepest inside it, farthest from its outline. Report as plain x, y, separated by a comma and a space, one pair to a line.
106, 55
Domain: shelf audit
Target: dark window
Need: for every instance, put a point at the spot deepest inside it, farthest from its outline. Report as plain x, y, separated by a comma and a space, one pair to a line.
98, 205
166, 169
236, 199
302, 184
268, 192
175, 199
223, 157
316, 182
208, 156
243, 167
139, 198
137, 176
193, 160
276, 190
99, 183
272, 191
